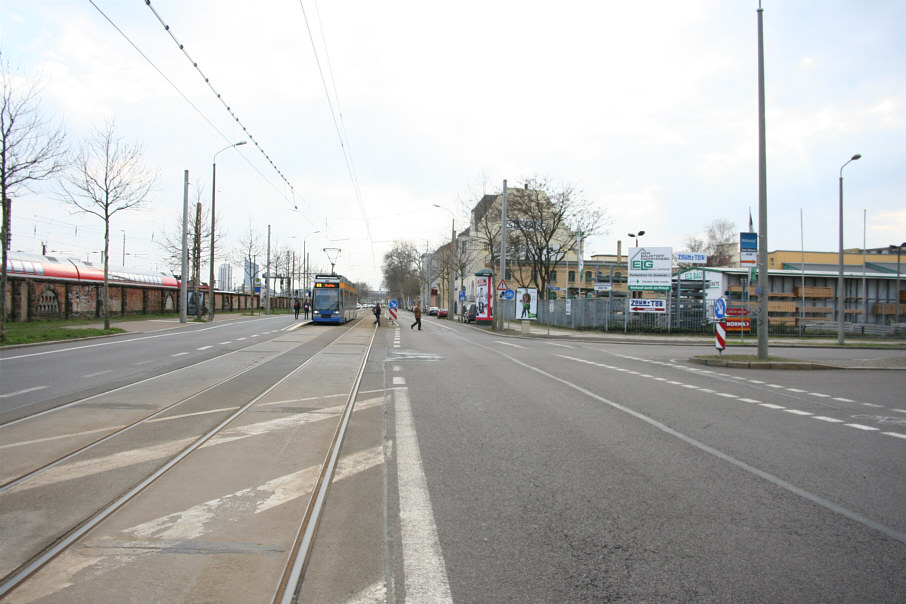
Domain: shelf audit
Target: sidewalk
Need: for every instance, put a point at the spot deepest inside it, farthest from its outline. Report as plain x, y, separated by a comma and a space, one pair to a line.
858, 354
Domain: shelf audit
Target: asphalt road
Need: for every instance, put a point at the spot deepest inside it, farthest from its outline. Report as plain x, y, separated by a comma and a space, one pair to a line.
561, 471
484, 468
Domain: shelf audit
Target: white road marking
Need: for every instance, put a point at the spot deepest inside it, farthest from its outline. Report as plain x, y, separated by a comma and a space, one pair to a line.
796, 390
860, 427
797, 412
726, 394
843, 400
832, 420
97, 373
509, 344
772, 406
560, 345
819, 395
203, 348
423, 561
896, 434
179, 354
749, 400
25, 391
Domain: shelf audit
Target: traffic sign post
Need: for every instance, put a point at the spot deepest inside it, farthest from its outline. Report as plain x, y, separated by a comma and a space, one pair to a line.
720, 308
720, 339
392, 306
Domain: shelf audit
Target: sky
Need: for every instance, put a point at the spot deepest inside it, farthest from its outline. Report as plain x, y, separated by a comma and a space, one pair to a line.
369, 114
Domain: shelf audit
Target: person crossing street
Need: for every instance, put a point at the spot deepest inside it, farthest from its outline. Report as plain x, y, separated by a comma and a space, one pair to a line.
418, 317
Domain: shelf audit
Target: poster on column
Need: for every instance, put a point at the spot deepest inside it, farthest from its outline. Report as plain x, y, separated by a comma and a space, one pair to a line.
483, 298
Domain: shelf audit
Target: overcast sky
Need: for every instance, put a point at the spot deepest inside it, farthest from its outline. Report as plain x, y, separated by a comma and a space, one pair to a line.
649, 108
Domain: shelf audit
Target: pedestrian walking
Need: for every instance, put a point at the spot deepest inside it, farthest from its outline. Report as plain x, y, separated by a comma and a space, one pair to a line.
377, 314
418, 317
296, 307
306, 309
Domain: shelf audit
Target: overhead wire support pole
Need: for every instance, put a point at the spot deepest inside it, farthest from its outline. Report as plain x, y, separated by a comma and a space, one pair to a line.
502, 253
763, 286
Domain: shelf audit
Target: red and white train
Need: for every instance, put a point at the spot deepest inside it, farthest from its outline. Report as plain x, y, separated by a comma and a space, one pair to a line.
73, 269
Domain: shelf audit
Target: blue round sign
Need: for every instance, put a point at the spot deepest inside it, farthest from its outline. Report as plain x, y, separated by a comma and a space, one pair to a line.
394, 304
720, 308
509, 294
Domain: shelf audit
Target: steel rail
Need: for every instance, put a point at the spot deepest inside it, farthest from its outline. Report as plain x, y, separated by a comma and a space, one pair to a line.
297, 561
29, 568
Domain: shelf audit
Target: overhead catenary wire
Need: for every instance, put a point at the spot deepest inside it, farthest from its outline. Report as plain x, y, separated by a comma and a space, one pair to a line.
220, 98
185, 98
338, 123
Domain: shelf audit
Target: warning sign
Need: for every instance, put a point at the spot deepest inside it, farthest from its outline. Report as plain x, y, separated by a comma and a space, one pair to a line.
501, 287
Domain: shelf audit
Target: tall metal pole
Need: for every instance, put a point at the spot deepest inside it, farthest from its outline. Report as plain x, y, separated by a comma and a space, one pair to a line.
452, 306
841, 294
897, 298
214, 225
762, 203
499, 312
267, 280
183, 284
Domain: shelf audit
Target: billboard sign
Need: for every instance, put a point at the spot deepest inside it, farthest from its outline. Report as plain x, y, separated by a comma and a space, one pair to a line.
650, 268
691, 258
526, 303
748, 249
648, 305
483, 298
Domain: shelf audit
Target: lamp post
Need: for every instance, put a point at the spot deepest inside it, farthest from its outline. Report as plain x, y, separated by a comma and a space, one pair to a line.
636, 237
213, 225
840, 293
897, 296
450, 310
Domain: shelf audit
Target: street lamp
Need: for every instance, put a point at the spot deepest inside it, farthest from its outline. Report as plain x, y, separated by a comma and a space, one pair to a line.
636, 237
840, 293
897, 298
213, 224
450, 311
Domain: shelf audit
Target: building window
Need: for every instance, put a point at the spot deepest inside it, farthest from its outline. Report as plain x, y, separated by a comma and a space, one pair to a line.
588, 275
572, 276
553, 276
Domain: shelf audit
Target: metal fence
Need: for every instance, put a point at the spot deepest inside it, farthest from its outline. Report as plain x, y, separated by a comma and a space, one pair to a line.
683, 317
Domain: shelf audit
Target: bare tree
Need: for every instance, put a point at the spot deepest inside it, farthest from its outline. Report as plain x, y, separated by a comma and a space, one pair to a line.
31, 150
246, 254
718, 242
401, 270
546, 219
107, 176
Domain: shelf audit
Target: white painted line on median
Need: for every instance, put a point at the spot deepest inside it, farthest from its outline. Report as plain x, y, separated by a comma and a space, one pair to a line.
423, 562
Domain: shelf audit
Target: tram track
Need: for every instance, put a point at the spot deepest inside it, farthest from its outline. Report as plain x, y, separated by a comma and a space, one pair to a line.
295, 563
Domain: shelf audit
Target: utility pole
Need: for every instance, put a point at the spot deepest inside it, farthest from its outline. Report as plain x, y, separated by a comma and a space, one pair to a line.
762, 204
498, 315
267, 285
183, 287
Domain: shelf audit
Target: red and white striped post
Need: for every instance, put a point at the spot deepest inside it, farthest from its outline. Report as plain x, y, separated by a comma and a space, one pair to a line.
720, 339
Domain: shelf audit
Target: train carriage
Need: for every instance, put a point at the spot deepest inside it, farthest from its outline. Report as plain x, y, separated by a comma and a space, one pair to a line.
334, 300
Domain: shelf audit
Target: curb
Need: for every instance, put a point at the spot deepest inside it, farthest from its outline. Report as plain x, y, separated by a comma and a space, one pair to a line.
805, 365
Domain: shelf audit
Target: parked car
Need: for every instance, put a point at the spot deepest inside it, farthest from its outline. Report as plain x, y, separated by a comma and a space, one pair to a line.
471, 313
432, 312
442, 312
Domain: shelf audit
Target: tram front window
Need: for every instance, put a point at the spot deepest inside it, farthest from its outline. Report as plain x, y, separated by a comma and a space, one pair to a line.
327, 300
